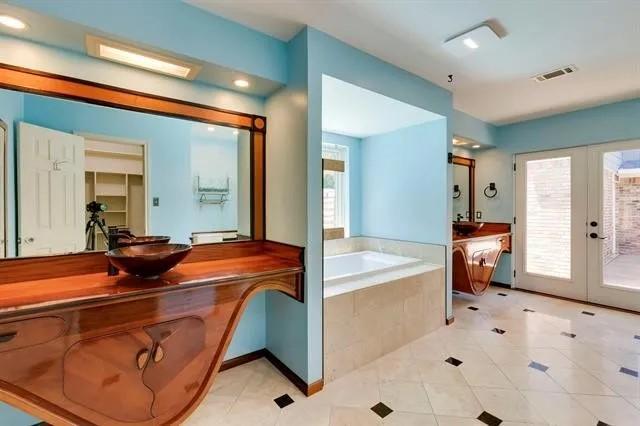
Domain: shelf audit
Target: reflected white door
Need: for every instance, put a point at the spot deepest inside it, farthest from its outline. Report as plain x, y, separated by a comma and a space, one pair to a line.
613, 234
51, 205
551, 211
3, 188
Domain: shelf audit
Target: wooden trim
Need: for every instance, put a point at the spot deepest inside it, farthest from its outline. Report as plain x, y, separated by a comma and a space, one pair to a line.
59, 86
471, 164
242, 359
315, 387
333, 165
501, 285
4, 187
333, 233
450, 320
584, 302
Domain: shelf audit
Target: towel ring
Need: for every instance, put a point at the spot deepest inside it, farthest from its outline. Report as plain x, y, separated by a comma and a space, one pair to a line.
456, 192
491, 188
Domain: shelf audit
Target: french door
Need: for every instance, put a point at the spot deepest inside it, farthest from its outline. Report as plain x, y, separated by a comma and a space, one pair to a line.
578, 223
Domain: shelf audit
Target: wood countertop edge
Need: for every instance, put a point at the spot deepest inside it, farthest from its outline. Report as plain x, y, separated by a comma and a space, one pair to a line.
480, 237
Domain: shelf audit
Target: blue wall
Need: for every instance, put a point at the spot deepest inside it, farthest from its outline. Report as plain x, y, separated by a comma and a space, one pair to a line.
403, 182
468, 126
355, 178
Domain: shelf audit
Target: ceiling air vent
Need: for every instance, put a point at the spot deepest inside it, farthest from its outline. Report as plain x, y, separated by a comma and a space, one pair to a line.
555, 73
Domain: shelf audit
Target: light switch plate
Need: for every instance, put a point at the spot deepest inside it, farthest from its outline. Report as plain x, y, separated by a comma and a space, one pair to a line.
478, 215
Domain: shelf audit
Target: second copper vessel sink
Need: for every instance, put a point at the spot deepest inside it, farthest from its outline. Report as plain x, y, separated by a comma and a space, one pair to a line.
148, 260
467, 228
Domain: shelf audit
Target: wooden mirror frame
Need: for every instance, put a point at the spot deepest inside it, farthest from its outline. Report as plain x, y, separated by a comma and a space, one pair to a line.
4, 174
59, 86
471, 164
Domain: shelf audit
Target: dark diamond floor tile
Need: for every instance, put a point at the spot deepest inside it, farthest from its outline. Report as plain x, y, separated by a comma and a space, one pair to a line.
572, 335
600, 423
591, 314
473, 308
629, 371
283, 400
538, 366
528, 310
455, 362
636, 337
489, 419
502, 294
499, 330
456, 292
381, 410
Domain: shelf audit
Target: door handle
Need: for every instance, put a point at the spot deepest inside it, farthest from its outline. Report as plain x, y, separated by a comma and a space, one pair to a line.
596, 237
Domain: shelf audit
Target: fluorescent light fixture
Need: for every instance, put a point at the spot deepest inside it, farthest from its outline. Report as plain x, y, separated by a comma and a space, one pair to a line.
211, 129
458, 142
12, 22
129, 55
475, 146
241, 83
479, 39
470, 43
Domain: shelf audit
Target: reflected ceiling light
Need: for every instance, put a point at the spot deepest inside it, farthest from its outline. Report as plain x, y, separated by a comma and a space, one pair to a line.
129, 55
478, 39
475, 146
12, 22
241, 83
458, 142
211, 129
236, 132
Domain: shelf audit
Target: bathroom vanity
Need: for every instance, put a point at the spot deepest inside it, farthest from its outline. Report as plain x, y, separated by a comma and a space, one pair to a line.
476, 255
95, 349
78, 346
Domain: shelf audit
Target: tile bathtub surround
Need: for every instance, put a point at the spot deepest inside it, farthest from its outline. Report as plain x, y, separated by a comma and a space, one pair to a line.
581, 386
431, 253
363, 325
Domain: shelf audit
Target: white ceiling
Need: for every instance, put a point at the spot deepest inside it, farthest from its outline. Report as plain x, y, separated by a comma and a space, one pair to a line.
600, 37
366, 113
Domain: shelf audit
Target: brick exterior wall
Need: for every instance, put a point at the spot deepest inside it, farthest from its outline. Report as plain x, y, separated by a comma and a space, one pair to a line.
609, 188
628, 215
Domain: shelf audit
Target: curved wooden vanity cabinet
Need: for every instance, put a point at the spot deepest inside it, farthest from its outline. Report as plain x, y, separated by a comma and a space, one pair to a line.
476, 256
94, 349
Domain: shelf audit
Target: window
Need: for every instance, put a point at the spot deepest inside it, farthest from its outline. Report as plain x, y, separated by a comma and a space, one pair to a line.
334, 191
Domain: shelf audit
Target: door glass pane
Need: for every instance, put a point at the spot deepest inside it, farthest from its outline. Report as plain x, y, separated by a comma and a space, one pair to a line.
548, 217
621, 218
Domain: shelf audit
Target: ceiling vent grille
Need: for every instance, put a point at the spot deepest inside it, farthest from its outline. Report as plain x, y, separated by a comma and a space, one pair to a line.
570, 69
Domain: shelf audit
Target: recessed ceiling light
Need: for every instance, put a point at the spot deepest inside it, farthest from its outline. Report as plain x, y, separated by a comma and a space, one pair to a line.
455, 140
478, 39
458, 142
236, 132
211, 129
475, 146
12, 22
241, 83
129, 55
470, 43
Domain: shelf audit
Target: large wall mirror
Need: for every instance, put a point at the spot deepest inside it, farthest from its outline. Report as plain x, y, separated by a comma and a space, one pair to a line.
463, 188
78, 158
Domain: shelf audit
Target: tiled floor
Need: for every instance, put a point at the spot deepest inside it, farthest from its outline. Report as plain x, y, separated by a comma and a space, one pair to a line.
623, 270
465, 374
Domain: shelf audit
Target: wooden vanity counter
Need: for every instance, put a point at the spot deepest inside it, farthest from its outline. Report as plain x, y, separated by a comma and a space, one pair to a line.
476, 256
86, 348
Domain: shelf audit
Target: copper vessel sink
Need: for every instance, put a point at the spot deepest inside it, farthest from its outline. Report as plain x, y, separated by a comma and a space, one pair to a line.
467, 228
138, 241
148, 260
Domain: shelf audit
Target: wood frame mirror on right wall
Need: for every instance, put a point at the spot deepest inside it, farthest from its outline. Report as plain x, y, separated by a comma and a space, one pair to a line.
470, 164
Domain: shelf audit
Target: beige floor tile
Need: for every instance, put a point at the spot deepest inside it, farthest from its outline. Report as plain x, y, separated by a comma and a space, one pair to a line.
589, 359
440, 372
306, 412
507, 404
526, 378
405, 396
552, 358
449, 400
610, 409
349, 416
620, 383
252, 411
485, 375
398, 369
559, 409
502, 355
458, 421
398, 418
578, 381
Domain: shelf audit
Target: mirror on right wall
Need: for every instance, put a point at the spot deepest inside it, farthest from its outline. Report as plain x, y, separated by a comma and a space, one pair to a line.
463, 188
